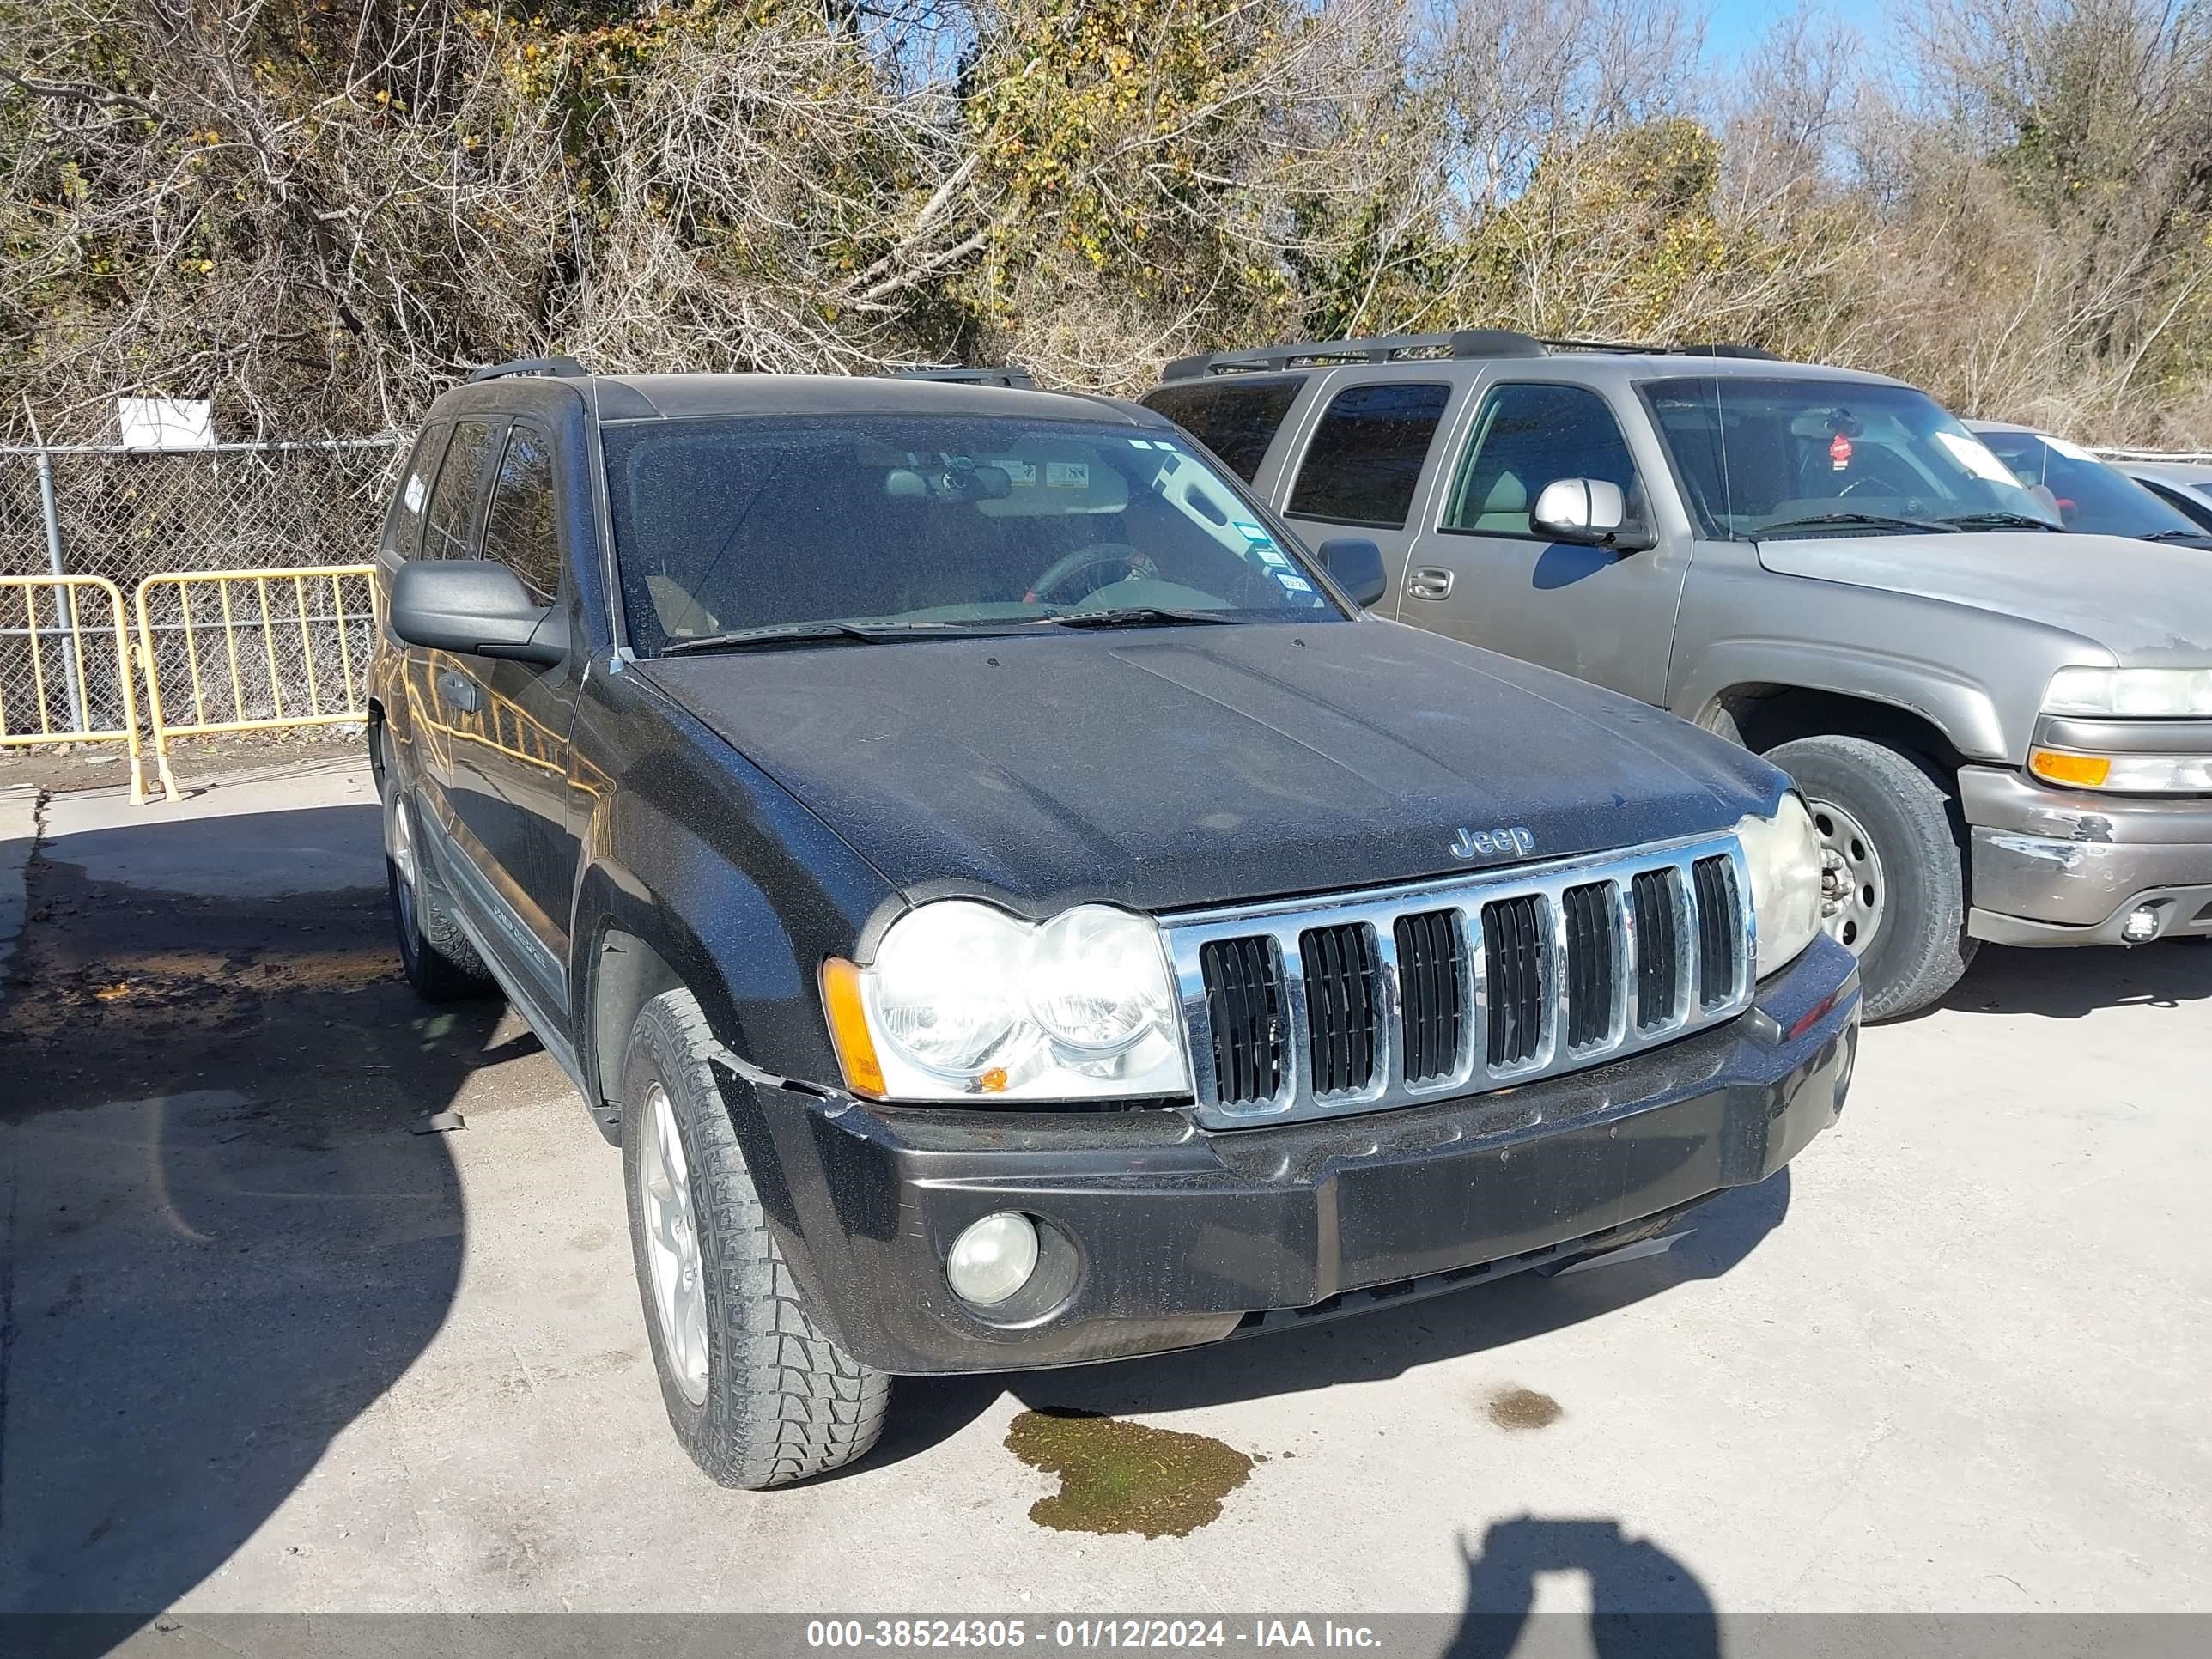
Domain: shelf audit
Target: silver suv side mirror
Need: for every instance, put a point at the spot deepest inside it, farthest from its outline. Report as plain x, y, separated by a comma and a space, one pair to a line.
1588, 512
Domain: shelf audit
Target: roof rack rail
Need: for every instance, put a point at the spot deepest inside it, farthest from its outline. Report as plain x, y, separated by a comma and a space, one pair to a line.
1008, 375
1410, 348
566, 368
1385, 349
1628, 347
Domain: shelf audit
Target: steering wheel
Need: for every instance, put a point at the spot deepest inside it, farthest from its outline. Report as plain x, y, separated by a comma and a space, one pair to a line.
1096, 555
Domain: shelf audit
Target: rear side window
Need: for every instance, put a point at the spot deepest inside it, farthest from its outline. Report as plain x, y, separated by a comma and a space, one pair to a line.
402, 525
518, 530
460, 487
1366, 455
1235, 419
1526, 437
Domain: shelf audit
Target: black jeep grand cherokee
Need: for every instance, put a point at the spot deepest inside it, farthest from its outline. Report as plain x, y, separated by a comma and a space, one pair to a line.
1019, 911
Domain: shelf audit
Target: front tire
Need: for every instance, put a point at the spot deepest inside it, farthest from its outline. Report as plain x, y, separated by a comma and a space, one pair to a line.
1896, 865
755, 1392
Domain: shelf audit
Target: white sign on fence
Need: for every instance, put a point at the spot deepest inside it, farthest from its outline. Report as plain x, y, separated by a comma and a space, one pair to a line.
166, 424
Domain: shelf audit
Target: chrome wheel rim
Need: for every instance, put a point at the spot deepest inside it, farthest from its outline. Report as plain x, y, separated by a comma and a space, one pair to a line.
399, 848
672, 1246
1854, 893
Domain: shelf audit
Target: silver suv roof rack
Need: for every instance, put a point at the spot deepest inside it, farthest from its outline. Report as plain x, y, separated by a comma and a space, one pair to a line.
1466, 342
1385, 349
565, 367
1005, 376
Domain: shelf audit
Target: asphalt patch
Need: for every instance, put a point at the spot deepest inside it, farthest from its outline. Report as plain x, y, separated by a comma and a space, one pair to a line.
1119, 1476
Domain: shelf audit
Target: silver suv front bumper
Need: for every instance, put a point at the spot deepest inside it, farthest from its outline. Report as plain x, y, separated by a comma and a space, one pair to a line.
2066, 866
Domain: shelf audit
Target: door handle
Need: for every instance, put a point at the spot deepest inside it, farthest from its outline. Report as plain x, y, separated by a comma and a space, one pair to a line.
1429, 583
458, 691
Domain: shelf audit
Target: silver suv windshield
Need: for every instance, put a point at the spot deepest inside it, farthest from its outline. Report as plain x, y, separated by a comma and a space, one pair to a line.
1760, 458
731, 531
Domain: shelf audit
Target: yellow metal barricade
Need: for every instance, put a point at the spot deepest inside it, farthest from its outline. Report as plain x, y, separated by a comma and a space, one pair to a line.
254, 650
65, 672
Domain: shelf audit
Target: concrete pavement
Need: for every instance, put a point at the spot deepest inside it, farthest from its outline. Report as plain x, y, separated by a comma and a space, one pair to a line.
273, 1351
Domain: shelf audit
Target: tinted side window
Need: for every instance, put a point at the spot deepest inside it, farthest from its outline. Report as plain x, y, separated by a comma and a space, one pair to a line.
402, 525
1366, 454
519, 530
1235, 419
1526, 437
460, 487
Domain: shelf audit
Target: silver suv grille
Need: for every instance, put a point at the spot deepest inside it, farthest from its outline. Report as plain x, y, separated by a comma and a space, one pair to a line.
1317, 1007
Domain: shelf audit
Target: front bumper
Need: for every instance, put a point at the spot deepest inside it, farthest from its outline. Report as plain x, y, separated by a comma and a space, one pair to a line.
2069, 867
1178, 1233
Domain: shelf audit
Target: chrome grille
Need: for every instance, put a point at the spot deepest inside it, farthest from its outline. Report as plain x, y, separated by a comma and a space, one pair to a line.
1346, 1003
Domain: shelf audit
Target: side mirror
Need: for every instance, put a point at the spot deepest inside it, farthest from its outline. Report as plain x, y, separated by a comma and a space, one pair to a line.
478, 607
1588, 512
1355, 564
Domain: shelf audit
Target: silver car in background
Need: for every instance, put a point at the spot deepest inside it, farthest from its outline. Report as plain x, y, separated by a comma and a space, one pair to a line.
2183, 485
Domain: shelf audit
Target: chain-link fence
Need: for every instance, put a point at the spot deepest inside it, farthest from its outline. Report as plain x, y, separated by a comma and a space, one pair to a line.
126, 515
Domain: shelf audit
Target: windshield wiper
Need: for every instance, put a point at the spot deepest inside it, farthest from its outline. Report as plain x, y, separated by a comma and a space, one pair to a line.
1997, 518
1869, 521
827, 633
1135, 616
2193, 537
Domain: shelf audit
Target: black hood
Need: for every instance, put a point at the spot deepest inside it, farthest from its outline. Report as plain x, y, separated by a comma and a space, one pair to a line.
1182, 767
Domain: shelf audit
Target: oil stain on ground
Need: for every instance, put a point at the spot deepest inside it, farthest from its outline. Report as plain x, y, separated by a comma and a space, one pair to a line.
1116, 1476
1517, 1409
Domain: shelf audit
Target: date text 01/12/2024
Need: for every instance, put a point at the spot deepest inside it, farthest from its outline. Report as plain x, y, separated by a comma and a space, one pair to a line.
1088, 1633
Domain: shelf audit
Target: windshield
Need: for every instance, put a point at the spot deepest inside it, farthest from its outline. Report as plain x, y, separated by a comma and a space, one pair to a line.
2084, 493
931, 524
1761, 457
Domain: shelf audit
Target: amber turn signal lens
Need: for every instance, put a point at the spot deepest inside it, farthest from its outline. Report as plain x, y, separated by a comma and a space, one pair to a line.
848, 1029
2089, 771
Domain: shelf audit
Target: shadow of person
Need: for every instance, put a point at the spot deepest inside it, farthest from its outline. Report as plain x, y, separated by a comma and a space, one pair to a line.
2071, 984
1645, 1604
1386, 1342
228, 1234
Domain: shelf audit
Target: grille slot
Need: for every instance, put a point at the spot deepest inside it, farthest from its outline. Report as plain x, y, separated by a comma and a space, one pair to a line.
1593, 962
1720, 930
1341, 1001
1357, 1002
1431, 993
1513, 951
1658, 906
1244, 998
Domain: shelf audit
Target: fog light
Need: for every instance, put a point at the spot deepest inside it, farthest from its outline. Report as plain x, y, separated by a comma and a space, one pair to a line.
993, 1258
2141, 925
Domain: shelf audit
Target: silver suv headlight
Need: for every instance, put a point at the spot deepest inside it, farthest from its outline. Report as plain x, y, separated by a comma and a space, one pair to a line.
2170, 694
964, 1000
1782, 854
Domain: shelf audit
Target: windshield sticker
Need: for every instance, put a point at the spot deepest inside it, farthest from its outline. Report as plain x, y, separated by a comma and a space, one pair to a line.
1839, 452
1974, 456
1268, 556
1252, 533
1020, 472
1294, 583
1067, 475
1142, 443
413, 492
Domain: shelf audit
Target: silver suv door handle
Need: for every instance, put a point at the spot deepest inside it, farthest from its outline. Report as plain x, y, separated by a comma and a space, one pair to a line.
1429, 583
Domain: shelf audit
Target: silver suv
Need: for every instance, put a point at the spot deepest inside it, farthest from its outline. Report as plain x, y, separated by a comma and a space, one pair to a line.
2004, 727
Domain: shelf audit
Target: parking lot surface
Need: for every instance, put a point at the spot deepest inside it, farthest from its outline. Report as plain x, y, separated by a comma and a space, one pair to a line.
270, 1348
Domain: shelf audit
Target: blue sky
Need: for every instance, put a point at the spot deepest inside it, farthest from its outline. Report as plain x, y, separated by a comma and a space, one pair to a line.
1734, 27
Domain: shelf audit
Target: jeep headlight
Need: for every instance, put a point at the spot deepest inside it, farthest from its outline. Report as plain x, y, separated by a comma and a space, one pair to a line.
964, 1000
1782, 854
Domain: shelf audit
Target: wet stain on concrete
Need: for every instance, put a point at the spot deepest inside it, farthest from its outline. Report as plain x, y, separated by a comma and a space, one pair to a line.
1517, 1410
1117, 1476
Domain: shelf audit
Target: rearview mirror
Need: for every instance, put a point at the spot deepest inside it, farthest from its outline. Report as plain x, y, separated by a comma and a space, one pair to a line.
1588, 512
1355, 564
478, 607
